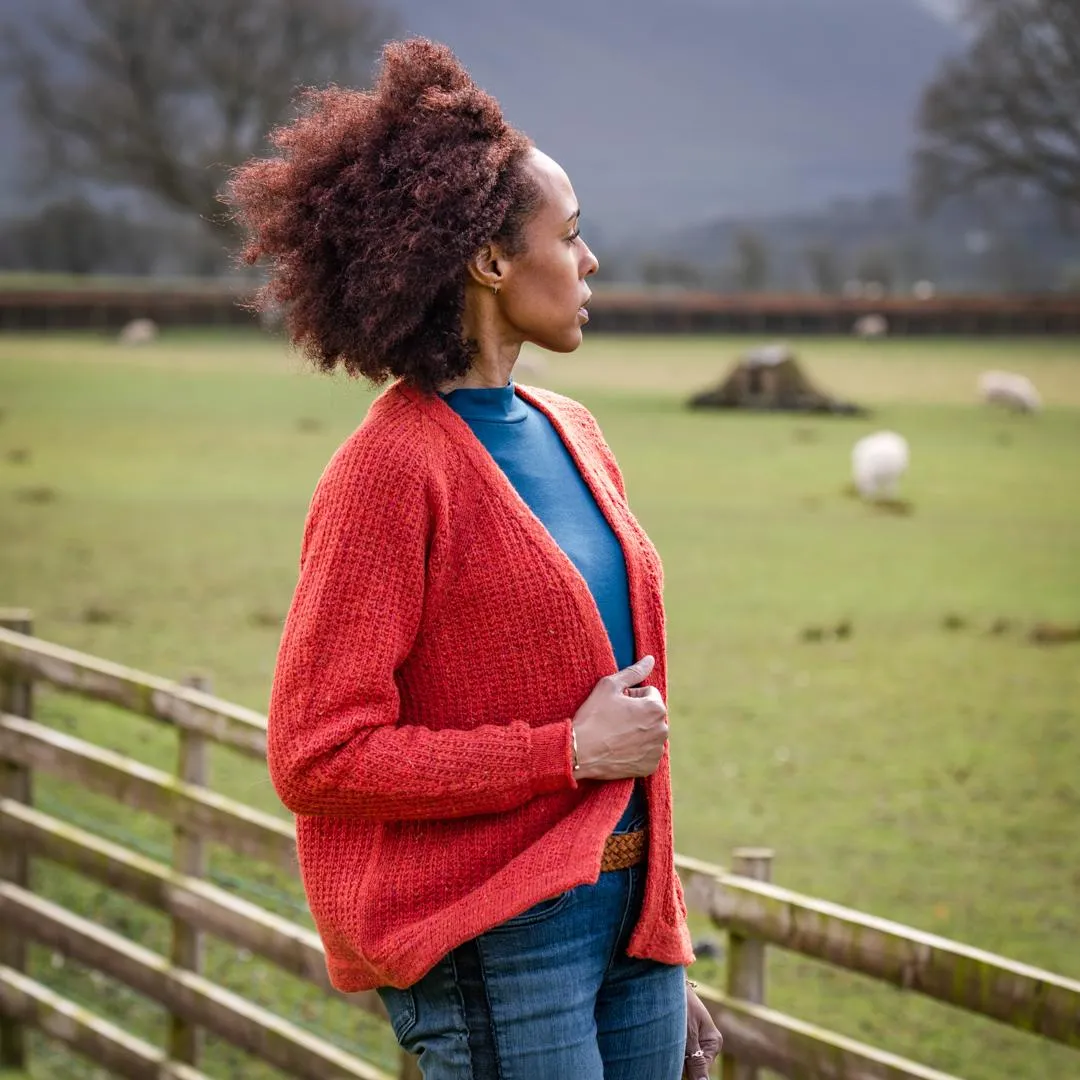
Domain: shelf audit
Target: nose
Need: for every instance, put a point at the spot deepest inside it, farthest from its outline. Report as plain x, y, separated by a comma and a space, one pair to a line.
591, 264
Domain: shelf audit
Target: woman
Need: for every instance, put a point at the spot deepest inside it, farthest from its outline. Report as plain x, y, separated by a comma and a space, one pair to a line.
467, 714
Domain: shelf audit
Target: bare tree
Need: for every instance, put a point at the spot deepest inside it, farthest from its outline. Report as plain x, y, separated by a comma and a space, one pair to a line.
875, 266
1009, 109
163, 98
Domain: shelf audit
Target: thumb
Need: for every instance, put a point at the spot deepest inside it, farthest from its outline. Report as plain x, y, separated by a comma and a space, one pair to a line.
632, 675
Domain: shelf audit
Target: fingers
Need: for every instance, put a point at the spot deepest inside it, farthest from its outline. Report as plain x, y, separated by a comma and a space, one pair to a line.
699, 1059
633, 674
711, 1043
697, 1065
647, 693
644, 692
703, 1040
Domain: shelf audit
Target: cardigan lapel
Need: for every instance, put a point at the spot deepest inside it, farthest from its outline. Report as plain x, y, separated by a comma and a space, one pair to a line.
475, 452
644, 601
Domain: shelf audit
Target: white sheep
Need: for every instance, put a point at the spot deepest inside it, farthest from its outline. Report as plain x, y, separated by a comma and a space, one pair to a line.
871, 327
877, 463
139, 332
1014, 392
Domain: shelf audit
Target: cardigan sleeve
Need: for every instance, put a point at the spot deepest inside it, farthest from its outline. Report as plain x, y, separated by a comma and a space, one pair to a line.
333, 743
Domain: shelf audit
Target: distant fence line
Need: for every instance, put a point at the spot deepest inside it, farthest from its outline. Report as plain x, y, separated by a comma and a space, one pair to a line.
741, 901
659, 311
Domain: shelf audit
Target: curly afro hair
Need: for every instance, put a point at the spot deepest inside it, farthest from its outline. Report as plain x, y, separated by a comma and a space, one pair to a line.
372, 208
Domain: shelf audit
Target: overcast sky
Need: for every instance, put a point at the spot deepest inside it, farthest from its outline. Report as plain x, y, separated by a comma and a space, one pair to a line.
946, 10
666, 114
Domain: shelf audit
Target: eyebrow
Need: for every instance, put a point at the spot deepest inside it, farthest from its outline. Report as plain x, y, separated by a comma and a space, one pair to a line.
575, 214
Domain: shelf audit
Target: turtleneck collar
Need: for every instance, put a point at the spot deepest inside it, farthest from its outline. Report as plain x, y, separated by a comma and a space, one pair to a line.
494, 404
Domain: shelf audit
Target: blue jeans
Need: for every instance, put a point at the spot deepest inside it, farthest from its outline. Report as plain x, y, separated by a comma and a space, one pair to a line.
550, 995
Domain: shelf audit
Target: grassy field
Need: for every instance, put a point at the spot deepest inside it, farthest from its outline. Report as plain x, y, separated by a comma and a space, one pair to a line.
923, 768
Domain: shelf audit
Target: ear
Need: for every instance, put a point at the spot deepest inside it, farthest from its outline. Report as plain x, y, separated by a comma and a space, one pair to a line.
486, 267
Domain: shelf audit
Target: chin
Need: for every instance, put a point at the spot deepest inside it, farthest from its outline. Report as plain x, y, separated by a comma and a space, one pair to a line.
566, 342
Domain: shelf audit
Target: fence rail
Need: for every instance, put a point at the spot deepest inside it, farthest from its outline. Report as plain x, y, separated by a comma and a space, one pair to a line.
203, 905
754, 912
1019, 995
27, 1002
183, 993
615, 309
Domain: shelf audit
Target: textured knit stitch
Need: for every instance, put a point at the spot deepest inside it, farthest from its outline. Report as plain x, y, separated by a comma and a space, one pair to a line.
521, 440
437, 645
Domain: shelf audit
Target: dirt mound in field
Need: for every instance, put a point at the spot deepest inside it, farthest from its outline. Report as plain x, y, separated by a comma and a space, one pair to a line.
771, 379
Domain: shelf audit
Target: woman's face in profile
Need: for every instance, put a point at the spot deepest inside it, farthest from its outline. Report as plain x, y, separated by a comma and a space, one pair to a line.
544, 293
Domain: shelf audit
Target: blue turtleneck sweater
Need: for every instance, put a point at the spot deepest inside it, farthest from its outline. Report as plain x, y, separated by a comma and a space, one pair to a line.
532, 455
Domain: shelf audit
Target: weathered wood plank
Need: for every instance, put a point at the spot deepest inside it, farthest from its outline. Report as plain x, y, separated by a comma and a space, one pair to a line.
16, 697
218, 818
261, 1033
1020, 995
189, 857
148, 695
87, 1034
746, 957
291, 947
689, 867
410, 1067
766, 1039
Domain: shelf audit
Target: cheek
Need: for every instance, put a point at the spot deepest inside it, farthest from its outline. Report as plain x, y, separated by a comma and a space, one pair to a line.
552, 286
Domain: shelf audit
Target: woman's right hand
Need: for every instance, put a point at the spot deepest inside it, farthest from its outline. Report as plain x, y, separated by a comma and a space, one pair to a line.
621, 729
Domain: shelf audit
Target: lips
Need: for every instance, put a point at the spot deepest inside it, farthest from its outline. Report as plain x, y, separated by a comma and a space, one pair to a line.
582, 312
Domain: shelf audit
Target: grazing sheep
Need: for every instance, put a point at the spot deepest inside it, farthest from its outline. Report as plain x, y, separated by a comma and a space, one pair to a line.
877, 463
139, 332
871, 326
1014, 392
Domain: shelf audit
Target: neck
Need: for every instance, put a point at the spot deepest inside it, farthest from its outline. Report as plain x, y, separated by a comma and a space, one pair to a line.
497, 343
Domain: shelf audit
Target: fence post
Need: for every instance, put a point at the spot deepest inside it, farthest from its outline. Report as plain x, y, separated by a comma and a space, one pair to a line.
189, 857
746, 958
410, 1067
16, 698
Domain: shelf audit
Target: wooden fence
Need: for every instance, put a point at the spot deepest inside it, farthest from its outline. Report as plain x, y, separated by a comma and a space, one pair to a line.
741, 901
614, 309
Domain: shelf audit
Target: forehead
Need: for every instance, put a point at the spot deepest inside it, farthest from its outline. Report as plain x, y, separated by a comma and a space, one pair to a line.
559, 200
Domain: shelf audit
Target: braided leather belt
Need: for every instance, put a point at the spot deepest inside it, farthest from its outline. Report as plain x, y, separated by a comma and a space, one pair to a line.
622, 850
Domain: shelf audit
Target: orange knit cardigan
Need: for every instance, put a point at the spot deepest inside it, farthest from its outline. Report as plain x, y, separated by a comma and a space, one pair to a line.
437, 645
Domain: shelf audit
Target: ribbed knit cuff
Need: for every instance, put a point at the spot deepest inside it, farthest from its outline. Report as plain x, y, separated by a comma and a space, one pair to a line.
552, 760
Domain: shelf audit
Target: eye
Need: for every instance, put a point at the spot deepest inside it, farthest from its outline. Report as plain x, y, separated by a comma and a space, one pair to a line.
573, 236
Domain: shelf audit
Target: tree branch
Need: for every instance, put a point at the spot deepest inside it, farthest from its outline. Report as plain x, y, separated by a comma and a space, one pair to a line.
164, 98
1009, 109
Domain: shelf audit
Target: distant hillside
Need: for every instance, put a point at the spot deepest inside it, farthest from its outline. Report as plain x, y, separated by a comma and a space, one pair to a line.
997, 242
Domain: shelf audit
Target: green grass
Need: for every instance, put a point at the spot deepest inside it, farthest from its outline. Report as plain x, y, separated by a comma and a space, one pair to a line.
151, 502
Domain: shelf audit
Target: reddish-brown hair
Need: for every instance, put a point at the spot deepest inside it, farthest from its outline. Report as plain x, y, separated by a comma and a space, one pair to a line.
372, 208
